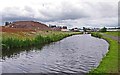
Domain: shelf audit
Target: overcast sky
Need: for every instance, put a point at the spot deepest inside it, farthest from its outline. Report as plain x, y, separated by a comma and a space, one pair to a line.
71, 13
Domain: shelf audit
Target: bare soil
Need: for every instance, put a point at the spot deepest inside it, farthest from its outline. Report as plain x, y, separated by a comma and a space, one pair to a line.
28, 25
17, 30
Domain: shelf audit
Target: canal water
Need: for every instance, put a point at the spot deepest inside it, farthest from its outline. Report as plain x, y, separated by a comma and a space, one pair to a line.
74, 54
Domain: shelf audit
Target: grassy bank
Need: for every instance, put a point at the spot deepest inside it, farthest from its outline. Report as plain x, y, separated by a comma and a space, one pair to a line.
113, 33
109, 63
96, 34
26, 39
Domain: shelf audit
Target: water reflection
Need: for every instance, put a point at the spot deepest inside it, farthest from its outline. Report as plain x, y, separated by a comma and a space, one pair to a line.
16, 52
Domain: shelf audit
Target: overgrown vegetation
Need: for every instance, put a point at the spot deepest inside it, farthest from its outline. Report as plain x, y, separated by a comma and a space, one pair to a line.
96, 34
109, 64
39, 39
103, 29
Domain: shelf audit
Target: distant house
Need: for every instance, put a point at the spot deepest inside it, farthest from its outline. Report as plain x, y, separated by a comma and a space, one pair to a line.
90, 29
52, 26
64, 28
58, 28
75, 29
95, 29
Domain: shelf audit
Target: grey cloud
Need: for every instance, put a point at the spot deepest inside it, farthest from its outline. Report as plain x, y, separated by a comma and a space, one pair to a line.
14, 14
28, 9
119, 13
104, 9
66, 13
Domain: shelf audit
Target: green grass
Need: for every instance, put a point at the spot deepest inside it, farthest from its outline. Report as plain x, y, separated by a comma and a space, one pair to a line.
109, 63
10, 42
113, 33
96, 34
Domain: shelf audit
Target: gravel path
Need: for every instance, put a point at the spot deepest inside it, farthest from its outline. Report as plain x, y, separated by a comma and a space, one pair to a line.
113, 37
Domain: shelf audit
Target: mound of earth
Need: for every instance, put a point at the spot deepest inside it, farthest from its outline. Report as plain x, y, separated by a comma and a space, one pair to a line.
28, 25
14, 30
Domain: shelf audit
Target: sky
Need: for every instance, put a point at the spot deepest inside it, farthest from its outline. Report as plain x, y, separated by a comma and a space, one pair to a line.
70, 13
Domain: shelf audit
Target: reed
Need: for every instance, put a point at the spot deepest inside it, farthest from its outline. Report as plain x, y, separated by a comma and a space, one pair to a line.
12, 42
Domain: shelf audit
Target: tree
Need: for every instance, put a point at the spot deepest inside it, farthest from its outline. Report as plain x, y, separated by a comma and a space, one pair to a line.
7, 23
103, 29
64, 27
84, 29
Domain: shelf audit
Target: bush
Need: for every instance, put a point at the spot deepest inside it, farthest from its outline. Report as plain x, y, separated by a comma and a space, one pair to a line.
103, 29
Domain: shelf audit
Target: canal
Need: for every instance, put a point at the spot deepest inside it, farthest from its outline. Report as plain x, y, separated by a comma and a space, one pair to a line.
74, 54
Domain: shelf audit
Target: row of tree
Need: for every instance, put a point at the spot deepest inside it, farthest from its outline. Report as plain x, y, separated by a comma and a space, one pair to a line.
104, 29
7, 23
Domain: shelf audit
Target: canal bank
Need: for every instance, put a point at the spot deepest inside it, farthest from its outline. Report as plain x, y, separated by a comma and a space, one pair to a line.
109, 64
28, 39
74, 54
